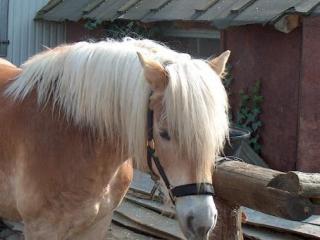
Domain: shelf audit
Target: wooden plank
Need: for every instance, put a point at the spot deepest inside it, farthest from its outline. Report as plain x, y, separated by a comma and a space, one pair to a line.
260, 219
315, 220
150, 219
157, 206
119, 233
141, 182
118, 218
259, 233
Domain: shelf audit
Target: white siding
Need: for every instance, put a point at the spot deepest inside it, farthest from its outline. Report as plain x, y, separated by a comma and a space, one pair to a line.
27, 36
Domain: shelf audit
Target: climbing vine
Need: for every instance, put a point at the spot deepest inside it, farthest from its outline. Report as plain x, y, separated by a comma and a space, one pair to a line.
227, 81
248, 115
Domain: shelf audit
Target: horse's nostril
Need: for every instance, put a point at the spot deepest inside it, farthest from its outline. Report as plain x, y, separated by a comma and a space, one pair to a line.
189, 222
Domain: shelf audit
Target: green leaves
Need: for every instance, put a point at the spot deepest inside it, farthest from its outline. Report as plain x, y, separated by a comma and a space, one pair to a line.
248, 115
92, 24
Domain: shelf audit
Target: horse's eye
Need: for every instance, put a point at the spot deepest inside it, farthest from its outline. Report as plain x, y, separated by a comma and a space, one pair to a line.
165, 135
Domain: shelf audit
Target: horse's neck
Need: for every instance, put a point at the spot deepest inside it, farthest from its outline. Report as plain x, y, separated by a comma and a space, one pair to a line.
8, 71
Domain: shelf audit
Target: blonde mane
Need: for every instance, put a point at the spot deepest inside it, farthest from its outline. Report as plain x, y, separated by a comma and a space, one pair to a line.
101, 85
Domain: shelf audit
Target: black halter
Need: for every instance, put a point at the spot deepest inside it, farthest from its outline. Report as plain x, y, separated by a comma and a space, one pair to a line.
178, 191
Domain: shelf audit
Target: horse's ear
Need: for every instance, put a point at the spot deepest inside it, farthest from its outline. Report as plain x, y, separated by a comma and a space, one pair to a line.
154, 73
218, 64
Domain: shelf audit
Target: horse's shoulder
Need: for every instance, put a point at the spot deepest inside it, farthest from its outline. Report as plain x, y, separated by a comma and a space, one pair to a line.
8, 71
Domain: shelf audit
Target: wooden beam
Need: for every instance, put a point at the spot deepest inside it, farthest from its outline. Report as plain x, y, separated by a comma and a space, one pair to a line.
287, 23
267, 190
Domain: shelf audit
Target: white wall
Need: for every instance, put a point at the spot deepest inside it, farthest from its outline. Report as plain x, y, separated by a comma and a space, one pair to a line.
27, 36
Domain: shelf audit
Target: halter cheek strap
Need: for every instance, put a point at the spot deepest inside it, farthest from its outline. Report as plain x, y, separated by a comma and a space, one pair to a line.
178, 191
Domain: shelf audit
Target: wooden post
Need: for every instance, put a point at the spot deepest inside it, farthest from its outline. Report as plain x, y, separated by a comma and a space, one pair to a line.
229, 221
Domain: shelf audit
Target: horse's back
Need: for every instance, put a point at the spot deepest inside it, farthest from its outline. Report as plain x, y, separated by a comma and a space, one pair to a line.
8, 71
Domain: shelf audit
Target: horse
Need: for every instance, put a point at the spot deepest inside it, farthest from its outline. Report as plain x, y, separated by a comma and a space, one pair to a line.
73, 123
8, 70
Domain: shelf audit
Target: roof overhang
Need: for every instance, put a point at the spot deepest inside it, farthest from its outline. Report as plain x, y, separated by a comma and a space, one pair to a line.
221, 13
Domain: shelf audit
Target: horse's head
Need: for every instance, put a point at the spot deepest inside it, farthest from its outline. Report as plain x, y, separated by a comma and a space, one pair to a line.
190, 125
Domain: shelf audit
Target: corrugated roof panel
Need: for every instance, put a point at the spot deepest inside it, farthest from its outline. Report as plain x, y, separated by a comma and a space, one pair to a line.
107, 11
241, 5
128, 5
223, 13
262, 12
218, 10
51, 4
316, 11
204, 6
93, 4
306, 6
176, 10
67, 9
142, 8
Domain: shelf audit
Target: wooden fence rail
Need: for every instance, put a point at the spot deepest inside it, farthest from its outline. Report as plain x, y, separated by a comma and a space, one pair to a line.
292, 195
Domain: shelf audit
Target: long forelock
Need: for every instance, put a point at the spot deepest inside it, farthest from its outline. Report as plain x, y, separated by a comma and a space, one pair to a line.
196, 109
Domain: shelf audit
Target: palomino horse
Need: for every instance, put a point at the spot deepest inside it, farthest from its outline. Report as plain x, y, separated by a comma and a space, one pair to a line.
75, 120
8, 71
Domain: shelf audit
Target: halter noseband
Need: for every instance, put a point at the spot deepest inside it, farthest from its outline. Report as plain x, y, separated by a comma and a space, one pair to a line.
178, 191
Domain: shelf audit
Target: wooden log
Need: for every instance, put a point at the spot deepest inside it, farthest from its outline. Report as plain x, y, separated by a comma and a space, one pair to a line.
305, 184
272, 192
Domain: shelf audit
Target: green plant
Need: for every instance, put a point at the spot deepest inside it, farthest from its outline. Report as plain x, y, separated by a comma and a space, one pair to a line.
248, 115
91, 24
227, 81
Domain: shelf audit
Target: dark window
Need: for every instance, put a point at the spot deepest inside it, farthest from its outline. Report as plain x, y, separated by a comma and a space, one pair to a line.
198, 43
4, 7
